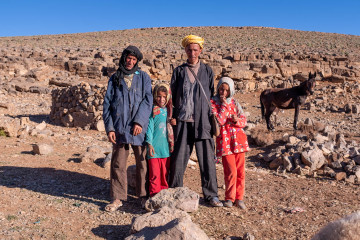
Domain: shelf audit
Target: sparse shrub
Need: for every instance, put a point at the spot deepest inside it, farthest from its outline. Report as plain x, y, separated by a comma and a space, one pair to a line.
11, 217
261, 137
2, 133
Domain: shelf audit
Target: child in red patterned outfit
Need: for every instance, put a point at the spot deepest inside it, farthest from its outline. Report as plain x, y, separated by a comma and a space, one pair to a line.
231, 144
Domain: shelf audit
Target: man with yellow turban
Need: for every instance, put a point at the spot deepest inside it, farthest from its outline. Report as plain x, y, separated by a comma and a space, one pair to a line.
191, 119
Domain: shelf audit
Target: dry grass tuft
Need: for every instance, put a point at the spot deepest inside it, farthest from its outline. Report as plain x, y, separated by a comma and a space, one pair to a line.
261, 137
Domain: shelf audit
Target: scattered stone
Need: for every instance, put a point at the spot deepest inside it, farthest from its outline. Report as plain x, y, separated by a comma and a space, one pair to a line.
42, 149
351, 179
313, 158
340, 176
180, 198
41, 126
277, 162
288, 163
93, 153
100, 126
357, 159
248, 236
329, 172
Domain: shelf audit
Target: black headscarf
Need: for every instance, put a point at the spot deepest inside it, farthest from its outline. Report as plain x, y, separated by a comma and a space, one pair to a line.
121, 71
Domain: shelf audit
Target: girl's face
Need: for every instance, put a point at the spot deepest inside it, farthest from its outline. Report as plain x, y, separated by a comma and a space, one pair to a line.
224, 90
161, 99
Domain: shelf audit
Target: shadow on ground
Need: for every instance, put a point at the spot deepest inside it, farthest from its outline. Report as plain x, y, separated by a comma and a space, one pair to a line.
112, 232
66, 184
39, 118
61, 183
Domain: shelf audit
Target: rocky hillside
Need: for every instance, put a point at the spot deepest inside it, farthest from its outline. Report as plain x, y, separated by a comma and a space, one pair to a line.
255, 56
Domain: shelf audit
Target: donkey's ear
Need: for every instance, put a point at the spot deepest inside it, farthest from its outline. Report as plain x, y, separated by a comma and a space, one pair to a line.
309, 75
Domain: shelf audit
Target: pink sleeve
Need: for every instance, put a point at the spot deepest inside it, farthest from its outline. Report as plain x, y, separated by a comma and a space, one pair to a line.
221, 112
241, 123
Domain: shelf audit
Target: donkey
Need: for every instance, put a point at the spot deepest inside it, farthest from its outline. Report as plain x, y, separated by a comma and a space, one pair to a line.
285, 98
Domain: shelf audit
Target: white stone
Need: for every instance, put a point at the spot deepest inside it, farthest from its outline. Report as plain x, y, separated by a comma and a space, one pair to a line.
42, 149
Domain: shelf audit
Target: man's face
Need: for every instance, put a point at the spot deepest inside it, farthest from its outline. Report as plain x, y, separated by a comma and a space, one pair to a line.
130, 62
193, 51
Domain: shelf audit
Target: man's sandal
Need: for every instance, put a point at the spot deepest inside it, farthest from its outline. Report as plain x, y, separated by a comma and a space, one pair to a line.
112, 207
215, 202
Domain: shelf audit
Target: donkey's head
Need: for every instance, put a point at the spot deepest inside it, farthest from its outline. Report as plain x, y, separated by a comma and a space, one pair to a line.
309, 84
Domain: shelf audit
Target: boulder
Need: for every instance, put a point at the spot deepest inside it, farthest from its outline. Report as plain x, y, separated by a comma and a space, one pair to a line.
157, 218
180, 228
347, 228
180, 198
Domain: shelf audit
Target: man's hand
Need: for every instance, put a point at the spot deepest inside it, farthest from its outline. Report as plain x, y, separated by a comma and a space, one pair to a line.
112, 137
137, 129
151, 150
173, 121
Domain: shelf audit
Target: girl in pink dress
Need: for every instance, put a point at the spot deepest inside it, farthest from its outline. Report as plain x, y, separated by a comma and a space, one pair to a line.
231, 144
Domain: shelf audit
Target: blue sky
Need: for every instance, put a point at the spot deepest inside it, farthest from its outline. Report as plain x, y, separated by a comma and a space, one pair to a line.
38, 17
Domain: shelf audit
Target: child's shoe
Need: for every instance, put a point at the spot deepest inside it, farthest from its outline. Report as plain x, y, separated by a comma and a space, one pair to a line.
240, 204
228, 203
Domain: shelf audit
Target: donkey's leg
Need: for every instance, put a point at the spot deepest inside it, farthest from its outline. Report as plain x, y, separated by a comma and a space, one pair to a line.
269, 111
296, 115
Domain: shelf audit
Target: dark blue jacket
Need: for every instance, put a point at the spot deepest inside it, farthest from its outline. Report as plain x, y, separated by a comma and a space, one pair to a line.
125, 106
202, 110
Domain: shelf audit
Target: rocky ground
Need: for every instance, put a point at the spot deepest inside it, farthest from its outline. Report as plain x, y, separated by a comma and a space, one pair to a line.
59, 196
62, 195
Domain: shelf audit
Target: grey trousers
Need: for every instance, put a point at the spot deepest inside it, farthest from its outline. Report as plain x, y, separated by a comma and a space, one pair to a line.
184, 145
118, 171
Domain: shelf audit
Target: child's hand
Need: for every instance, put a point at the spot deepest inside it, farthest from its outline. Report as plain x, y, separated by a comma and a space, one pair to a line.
151, 150
173, 121
234, 118
222, 99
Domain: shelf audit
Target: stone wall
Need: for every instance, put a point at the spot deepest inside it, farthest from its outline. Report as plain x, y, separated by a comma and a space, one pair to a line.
78, 106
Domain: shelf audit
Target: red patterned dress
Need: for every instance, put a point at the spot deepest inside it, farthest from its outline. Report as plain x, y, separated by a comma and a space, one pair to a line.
232, 138
231, 146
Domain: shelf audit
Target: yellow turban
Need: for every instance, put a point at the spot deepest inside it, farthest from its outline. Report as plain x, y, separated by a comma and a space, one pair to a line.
192, 39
